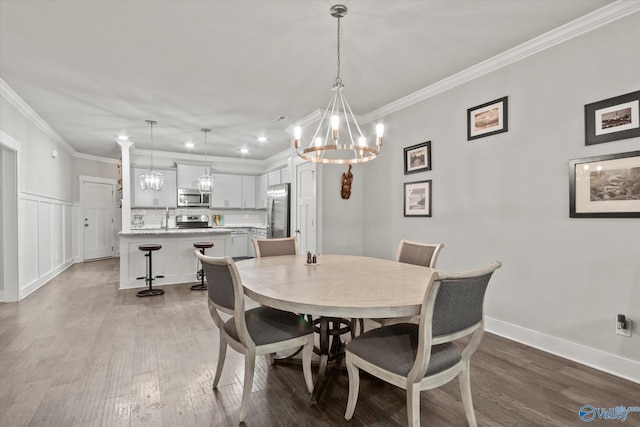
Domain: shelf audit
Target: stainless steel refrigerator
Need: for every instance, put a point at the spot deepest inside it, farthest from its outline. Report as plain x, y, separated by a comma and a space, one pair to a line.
278, 211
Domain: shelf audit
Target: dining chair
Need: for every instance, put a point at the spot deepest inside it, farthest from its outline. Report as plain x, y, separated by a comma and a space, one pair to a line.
275, 247
258, 331
423, 356
424, 254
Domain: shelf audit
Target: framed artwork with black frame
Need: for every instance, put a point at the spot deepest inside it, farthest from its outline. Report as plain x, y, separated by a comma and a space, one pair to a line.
417, 158
605, 186
417, 198
488, 119
612, 119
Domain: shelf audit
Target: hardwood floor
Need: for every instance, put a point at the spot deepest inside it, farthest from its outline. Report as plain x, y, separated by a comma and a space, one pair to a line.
79, 352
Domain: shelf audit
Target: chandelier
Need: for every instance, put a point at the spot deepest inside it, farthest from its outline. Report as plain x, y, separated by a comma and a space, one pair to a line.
151, 180
205, 181
338, 120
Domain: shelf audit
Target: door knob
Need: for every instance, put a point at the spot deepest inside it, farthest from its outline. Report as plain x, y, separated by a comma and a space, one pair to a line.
298, 231
86, 225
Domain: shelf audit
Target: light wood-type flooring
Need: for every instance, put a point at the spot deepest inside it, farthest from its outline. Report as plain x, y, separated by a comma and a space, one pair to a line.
79, 352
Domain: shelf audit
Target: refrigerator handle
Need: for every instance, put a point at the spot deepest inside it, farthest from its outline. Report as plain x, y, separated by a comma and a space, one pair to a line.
272, 219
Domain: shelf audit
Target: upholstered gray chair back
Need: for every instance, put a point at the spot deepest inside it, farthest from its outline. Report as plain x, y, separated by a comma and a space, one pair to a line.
219, 284
423, 254
276, 247
458, 304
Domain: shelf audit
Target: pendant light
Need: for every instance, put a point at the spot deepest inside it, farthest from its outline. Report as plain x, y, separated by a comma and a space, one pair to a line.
205, 181
337, 116
151, 180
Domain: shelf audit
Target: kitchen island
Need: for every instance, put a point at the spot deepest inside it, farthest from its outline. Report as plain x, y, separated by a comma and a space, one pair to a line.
175, 261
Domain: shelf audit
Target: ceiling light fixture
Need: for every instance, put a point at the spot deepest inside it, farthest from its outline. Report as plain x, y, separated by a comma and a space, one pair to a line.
262, 139
244, 150
151, 180
188, 144
205, 181
338, 115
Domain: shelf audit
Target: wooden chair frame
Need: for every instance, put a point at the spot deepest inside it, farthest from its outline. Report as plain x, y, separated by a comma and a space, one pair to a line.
246, 345
415, 381
256, 244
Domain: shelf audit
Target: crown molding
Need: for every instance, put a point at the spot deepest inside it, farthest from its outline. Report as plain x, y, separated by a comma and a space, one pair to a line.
96, 158
15, 100
575, 28
197, 158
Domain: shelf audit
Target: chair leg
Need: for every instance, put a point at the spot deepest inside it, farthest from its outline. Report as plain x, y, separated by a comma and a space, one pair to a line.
464, 378
222, 352
354, 387
249, 367
307, 353
413, 405
270, 358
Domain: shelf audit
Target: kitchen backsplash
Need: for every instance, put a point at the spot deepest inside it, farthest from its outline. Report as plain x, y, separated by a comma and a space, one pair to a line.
154, 218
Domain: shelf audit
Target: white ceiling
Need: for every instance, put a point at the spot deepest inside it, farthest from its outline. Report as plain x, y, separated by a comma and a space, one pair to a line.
96, 69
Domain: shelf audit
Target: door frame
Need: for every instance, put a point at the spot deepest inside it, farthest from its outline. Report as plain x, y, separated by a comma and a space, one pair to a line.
82, 179
293, 176
9, 253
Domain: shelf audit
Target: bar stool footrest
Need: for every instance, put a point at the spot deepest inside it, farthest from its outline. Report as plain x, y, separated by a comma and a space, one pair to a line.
150, 292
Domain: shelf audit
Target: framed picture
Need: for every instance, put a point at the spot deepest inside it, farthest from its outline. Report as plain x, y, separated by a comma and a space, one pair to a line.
417, 198
605, 186
612, 119
487, 119
417, 158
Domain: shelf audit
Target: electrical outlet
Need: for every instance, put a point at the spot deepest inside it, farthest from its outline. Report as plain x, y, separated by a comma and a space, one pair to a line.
626, 331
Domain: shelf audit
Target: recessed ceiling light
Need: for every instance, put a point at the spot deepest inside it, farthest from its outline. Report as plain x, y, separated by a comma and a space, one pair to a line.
123, 137
262, 139
244, 150
188, 144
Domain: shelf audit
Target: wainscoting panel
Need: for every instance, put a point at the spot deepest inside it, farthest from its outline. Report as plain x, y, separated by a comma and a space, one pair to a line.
45, 242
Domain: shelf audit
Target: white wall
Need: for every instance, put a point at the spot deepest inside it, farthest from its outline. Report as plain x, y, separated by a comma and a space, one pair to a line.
45, 245
506, 197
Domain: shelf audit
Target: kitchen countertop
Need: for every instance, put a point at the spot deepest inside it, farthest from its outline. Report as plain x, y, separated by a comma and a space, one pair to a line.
173, 231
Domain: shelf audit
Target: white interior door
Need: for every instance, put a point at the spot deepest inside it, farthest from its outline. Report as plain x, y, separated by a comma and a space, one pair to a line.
98, 209
306, 207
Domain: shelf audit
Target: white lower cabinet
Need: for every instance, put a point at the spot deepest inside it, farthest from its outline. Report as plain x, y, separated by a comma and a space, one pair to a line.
239, 238
258, 233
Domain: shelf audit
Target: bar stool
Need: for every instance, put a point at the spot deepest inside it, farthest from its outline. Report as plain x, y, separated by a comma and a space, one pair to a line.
149, 278
200, 275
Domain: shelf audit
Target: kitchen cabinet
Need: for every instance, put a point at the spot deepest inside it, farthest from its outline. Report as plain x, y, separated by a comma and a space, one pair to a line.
258, 233
187, 175
284, 175
227, 191
167, 197
239, 239
248, 192
274, 177
261, 191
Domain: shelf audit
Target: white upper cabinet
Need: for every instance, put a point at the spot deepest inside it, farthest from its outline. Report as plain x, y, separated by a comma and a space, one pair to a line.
274, 177
167, 197
227, 191
188, 175
261, 191
248, 192
284, 175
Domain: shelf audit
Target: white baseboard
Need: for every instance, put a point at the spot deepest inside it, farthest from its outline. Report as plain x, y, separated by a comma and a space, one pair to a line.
39, 282
597, 359
2, 295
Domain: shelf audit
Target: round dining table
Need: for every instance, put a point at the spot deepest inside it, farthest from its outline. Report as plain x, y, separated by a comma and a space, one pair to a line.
337, 286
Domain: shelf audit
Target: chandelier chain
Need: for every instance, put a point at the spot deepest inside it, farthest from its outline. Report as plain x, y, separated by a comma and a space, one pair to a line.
338, 79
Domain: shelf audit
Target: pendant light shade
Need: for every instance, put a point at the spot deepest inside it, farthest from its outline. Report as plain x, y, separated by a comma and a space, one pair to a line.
151, 180
338, 138
205, 181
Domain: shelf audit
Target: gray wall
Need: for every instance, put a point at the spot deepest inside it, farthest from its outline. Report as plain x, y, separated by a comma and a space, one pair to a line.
506, 197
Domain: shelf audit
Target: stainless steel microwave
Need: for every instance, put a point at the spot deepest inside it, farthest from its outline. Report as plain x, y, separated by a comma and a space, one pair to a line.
190, 197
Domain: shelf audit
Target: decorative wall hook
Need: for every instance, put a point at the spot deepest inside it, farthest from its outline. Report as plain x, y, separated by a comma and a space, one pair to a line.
347, 178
